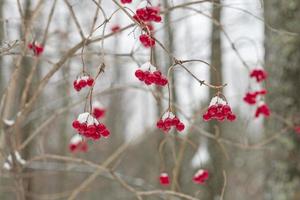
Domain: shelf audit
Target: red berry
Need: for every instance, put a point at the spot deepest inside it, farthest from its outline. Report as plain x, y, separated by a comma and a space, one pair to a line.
140, 74
82, 83
160, 124
175, 121
76, 124
168, 122
207, 117
164, 179
98, 113
105, 133
231, 117
180, 126
90, 81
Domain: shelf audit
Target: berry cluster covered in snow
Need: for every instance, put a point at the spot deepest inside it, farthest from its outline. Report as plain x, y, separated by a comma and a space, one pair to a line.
83, 81
150, 75
218, 109
256, 97
88, 126
168, 121
78, 144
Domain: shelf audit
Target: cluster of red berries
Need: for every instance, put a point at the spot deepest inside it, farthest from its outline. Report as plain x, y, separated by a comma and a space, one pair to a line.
201, 176
82, 82
147, 14
149, 78
219, 110
147, 40
89, 127
36, 48
263, 109
78, 144
250, 97
168, 121
258, 74
126, 1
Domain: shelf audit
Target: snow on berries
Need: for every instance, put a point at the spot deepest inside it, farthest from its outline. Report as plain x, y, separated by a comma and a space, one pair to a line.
36, 48
168, 121
218, 109
150, 75
201, 176
164, 179
258, 74
263, 109
88, 126
78, 144
82, 82
250, 97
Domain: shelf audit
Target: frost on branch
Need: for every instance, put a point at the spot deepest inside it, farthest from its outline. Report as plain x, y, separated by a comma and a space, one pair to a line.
8, 164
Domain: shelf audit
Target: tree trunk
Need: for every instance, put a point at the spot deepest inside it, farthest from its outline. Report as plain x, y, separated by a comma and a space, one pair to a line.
216, 156
282, 60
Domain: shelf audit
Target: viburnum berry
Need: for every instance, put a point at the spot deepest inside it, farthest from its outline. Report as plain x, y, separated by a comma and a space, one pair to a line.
90, 127
36, 48
150, 75
98, 110
83, 81
218, 109
126, 1
78, 144
201, 176
164, 179
147, 40
250, 97
115, 28
168, 121
263, 109
258, 74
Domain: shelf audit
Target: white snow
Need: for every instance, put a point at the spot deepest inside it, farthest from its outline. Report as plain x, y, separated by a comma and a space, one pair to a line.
76, 139
87, 118
7, 164
8, 122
